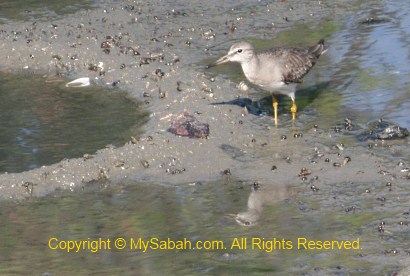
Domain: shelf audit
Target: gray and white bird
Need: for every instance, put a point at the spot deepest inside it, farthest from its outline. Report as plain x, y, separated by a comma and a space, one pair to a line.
277, 70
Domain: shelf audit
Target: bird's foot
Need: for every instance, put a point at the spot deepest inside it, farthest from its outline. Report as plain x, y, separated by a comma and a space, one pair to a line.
275, 111
293, 109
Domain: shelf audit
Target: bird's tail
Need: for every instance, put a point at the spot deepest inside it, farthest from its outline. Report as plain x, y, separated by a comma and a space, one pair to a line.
319, 49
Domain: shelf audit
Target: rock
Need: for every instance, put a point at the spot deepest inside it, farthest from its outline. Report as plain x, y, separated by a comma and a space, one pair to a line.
188, 126
383, 130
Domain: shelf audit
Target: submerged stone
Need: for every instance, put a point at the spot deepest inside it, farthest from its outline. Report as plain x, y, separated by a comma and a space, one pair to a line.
383, 130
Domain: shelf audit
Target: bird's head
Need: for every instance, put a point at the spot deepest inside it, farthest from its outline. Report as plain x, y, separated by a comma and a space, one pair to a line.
240, 52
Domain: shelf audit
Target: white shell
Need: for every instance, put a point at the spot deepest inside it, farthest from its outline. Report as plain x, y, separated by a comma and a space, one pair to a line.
79, 82
242, 86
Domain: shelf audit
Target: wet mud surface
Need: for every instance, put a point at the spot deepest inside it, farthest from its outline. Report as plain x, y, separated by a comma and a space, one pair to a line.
154, 51
157, 51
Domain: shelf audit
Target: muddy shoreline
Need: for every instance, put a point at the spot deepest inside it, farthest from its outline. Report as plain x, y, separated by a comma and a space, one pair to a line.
155, 51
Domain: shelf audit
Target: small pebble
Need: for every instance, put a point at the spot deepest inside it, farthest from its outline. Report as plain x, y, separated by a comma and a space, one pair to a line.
346, 160
145, 163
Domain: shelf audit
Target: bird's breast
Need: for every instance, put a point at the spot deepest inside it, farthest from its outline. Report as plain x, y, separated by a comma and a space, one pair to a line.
265, 75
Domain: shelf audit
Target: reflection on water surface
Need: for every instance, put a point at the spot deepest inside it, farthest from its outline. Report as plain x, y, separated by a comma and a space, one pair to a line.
44, 122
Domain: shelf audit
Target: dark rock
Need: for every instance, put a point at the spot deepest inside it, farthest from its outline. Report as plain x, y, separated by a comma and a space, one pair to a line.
187, 125
383, 130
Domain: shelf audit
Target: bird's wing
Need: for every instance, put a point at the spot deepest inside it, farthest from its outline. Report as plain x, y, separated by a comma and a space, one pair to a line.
295, 63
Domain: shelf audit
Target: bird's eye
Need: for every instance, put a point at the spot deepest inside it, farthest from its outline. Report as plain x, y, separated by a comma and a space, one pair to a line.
239, 51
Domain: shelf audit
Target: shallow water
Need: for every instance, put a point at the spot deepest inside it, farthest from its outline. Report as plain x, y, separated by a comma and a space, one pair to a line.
200, 212
371, 63
40, 10
43, 122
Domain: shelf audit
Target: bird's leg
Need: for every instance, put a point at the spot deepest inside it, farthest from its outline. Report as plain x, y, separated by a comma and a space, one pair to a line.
293, 109
275, 110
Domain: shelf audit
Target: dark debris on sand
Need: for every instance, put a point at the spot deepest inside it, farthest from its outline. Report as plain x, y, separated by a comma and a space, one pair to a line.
188, 126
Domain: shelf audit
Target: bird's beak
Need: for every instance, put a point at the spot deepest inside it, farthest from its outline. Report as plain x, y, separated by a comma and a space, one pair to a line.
219, 61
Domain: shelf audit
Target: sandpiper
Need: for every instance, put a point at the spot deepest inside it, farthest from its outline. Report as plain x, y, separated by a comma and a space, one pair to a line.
277, 70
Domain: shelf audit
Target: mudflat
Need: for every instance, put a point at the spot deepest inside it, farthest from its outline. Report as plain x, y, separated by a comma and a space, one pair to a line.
157, 52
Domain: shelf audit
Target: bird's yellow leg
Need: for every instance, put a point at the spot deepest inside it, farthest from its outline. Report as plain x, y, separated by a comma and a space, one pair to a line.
293, 109
275, 110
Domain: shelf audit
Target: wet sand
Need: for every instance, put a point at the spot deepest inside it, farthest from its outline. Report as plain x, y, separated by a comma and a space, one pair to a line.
155, 51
